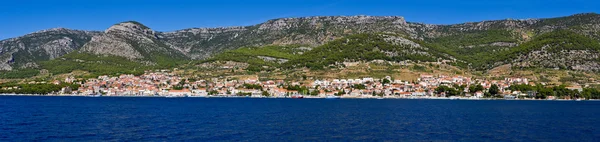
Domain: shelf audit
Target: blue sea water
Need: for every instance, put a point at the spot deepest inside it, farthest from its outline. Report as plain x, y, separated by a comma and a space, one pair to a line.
244, 119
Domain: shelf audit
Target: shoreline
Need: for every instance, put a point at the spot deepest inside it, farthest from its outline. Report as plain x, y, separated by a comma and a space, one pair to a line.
307, 97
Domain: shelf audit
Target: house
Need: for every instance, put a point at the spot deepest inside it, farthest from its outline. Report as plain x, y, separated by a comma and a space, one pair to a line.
575, 88
183, 92
518, 93
56, 82
405, 94
199, 92
66, 90
418, 93
479, 94
251, 80
355, 93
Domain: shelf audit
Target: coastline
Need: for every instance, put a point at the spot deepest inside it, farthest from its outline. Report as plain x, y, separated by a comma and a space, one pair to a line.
306, 97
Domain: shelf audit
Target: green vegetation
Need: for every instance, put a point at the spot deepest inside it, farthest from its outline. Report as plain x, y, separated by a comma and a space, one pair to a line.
98, 65
559, 40
300, 89
473, 38
359, 86
38, 88
95, 64
475, 88
471, 46
265, 93
450, 91
494, 90
252, 86
359, 47
555, 42
486, 57
33, 54
419, 68
251, 56
17, 74
315, 92
542, 92
472, 49
386, 81
569, 21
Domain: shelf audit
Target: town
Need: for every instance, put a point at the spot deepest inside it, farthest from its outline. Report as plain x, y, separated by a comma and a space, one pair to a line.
166, 84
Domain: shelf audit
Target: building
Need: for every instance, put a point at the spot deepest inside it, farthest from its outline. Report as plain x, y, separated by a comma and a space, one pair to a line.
183, 92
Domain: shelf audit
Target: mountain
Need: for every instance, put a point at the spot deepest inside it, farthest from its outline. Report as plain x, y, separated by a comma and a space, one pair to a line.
127, 47
133, 41
568, 42
25, 51
564, 43
201, 43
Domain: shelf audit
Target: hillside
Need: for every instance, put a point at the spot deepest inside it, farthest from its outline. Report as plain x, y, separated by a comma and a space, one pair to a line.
482, 46
364, 47
319, 42
24, 52
201, 43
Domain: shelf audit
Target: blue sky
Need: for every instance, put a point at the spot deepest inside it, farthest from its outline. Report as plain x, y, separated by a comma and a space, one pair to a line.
20, 17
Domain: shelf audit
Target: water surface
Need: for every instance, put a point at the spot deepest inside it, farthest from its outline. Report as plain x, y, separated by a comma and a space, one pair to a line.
214, 119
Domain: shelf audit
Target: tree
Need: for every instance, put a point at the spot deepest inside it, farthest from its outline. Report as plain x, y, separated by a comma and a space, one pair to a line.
314, 92
494, 89
472, 89
586, 93
460, 89
487, 94
449, 91
441, 89
543, 93
265, 93
478, 88
359, 86
386, 81
340, 93
213, 92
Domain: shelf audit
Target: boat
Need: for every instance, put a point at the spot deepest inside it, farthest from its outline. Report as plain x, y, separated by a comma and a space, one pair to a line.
509, 97
297, 96
94, 95
332, 97
380, 98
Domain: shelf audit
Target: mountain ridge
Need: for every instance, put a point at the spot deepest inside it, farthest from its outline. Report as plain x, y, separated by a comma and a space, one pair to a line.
467, 43
227, 27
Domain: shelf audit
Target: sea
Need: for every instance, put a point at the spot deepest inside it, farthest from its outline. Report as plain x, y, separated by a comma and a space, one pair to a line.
31, 118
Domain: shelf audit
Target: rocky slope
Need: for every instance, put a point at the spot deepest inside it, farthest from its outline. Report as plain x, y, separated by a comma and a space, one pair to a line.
472, 44
133, 41
25, 51
203, 42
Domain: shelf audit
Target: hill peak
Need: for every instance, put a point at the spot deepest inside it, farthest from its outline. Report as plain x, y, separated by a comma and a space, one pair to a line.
130, 26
